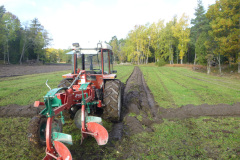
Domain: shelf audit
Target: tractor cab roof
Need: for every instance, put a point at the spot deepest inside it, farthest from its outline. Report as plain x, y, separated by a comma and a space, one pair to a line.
89, 48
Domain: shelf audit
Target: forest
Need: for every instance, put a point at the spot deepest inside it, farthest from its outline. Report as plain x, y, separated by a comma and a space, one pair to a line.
26, 42
211, 38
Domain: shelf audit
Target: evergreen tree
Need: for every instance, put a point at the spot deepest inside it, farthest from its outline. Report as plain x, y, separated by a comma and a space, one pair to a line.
2, 31
200, 27
225, 30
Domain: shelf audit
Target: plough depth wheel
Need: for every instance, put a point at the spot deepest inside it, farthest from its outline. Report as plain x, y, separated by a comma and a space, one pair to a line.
37, 128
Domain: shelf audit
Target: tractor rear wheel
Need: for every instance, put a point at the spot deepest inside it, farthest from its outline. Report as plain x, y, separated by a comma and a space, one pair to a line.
65, 82
112, 99
37, 128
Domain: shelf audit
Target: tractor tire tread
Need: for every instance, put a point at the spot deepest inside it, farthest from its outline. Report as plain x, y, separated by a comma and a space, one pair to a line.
111, 99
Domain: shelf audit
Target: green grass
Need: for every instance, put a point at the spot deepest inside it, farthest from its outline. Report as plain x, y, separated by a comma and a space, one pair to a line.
13, 138
201, 138
123, 72
24, 90
173, 87
193, 138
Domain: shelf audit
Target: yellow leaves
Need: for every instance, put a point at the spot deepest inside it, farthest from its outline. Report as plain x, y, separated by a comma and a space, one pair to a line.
182, 33
224, 16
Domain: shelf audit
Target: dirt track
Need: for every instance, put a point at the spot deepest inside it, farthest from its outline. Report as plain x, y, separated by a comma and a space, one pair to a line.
139, 107
140, 111
16, 70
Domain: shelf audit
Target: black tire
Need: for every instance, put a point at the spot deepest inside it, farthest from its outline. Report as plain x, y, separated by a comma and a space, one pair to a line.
78, 117
65, 82
112, 100
36, 130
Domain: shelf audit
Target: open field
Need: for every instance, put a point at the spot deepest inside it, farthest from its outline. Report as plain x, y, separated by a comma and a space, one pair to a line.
20, 92
172, 132
174, 87
24, 90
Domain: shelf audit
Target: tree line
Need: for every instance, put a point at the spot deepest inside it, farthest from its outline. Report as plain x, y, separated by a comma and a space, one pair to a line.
212, 38
26, 42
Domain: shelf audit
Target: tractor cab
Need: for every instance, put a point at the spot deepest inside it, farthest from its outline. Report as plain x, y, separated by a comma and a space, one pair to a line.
93, 60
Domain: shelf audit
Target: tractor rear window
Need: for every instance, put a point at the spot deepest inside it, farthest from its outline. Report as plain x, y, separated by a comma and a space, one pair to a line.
92, 62
106, 62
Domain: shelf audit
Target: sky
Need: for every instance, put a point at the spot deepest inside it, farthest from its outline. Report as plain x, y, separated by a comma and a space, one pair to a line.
84, 21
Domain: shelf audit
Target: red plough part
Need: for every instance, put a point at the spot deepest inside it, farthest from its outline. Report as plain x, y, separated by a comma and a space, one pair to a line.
94, 129
59, 151
80, 93
98, 132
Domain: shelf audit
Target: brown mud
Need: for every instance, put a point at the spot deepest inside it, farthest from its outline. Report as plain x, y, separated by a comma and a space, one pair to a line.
14, 110
139, 112
19, 70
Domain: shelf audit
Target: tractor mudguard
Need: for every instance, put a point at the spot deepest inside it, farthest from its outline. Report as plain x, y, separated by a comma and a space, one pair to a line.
51, 100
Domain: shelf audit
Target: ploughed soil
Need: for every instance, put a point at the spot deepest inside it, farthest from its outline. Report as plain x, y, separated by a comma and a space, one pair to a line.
139, 110
18, 70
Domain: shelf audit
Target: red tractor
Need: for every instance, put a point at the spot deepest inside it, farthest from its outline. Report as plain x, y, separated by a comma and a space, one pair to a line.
90, 88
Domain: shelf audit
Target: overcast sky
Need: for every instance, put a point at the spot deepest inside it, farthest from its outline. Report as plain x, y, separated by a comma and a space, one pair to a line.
82, 21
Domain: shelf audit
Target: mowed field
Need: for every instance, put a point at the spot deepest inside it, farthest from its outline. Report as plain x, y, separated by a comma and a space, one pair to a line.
24, 90
189, 138
174, 87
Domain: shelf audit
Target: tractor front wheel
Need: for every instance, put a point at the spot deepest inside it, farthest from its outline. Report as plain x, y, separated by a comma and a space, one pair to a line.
37, 130
112, 100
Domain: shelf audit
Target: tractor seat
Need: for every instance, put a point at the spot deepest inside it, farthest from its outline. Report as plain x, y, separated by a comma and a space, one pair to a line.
90, 72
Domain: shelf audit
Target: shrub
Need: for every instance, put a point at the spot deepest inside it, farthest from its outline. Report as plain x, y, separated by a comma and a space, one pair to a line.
161, 62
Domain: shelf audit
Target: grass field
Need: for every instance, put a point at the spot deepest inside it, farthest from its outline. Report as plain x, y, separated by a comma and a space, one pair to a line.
174, 87
24, 90
193, 138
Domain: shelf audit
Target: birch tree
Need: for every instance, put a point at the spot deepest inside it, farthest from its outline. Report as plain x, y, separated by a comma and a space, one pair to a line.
182, 32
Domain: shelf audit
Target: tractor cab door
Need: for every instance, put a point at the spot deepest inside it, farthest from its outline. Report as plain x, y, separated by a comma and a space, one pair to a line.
107, 61
87, 62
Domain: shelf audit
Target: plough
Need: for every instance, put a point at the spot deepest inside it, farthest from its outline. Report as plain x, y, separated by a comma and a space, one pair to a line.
89, 89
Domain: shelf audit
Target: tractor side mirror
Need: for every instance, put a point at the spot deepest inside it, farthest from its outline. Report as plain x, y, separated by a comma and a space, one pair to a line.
75, 44
114, 71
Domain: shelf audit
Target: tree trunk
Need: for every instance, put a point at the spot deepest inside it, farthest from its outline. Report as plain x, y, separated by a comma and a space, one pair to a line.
239, 51
4, 57
238, 66
38, 57
195, 59
208, 67
23, 50
239, 62
8, 53
219, 64
181, 61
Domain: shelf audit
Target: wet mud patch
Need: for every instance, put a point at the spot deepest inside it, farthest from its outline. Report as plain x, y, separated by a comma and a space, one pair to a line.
140, 110
190, 111
19, 70
14, 110
139, 114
